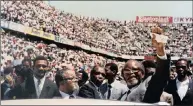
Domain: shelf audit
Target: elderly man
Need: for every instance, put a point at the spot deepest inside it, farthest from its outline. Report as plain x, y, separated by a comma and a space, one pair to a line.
150, 89
67, 83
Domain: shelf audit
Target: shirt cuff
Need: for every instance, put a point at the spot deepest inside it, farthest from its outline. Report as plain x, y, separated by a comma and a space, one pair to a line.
162, 57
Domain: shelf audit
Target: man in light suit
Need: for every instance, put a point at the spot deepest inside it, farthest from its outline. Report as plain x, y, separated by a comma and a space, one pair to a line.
150, 89
112, 89
67, 83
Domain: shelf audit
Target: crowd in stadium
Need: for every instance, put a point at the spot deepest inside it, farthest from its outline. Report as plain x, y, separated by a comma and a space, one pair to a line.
113, 36
33, 69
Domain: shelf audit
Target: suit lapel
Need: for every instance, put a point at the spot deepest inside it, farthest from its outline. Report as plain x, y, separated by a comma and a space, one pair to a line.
45, 89
104, 90
96, 93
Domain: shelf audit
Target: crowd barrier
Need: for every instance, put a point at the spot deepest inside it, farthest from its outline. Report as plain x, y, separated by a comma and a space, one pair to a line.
38, 33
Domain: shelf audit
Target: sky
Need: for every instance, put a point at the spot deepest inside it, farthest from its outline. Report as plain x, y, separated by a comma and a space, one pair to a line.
125, 10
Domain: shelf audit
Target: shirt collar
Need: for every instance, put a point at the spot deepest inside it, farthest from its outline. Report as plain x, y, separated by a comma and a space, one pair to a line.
65, 95
41, 80
112, 84
186, 82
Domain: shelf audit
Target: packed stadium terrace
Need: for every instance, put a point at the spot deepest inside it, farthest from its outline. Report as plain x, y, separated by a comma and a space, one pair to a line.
117, 37
15, 47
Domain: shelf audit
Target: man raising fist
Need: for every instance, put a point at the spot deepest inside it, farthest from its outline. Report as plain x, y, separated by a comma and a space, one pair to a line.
151, 88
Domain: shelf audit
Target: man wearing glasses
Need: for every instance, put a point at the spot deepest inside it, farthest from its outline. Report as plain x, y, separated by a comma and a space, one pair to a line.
67, 83
150, 89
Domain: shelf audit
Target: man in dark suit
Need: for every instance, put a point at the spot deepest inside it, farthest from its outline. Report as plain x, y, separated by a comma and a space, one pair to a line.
112, 89
182, 87
92, 88
36, 86
150, 89
67, 83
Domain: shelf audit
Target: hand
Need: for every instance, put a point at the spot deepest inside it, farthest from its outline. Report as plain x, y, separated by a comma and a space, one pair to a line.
159, 46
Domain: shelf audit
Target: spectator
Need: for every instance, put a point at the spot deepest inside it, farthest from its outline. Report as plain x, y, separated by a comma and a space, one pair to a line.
92, 89
83, 78
181, 88
36, 86
67, 83
173, 73
112, 89
150, 67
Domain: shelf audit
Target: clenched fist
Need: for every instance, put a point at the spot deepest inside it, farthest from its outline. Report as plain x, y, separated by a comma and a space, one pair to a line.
156, 32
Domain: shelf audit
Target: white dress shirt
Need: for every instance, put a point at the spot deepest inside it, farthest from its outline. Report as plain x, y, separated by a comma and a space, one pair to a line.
65, 95
182, 87
41, 85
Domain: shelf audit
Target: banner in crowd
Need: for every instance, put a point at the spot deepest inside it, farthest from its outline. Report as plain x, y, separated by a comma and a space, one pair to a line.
39, 33
17, 27
132, 57
4, 24
154, 19
63, 40
86, 47
182, 20
78, 44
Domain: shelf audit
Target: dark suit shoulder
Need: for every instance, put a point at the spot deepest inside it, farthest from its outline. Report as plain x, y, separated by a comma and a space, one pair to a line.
52, 84
86, 91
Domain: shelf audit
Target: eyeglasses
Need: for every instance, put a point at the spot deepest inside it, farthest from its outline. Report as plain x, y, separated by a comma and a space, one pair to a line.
129, 71
71, 79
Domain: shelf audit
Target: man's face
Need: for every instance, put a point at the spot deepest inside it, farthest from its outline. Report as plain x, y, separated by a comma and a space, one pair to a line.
110, 74
40, 68
27, 64
132, 73
98, 76
173, 75
71, 82
181, 69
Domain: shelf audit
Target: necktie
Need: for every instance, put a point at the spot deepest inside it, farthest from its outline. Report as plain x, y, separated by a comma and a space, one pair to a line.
109, 91
71, 97
100, 93
38, 88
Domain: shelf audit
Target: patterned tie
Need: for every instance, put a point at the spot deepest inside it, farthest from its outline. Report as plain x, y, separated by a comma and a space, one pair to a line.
109, 91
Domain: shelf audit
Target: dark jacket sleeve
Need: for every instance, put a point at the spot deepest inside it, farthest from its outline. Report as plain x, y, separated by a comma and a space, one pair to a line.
158, 81
86, 92
16, 93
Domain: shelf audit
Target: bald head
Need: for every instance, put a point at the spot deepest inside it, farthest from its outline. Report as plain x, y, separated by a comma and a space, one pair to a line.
134, 63
133, 72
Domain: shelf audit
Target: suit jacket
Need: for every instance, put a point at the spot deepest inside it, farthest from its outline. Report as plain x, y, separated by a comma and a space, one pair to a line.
89, 90
117, 90
5, 89
137, 93
151, 88
27, 90
172, 89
